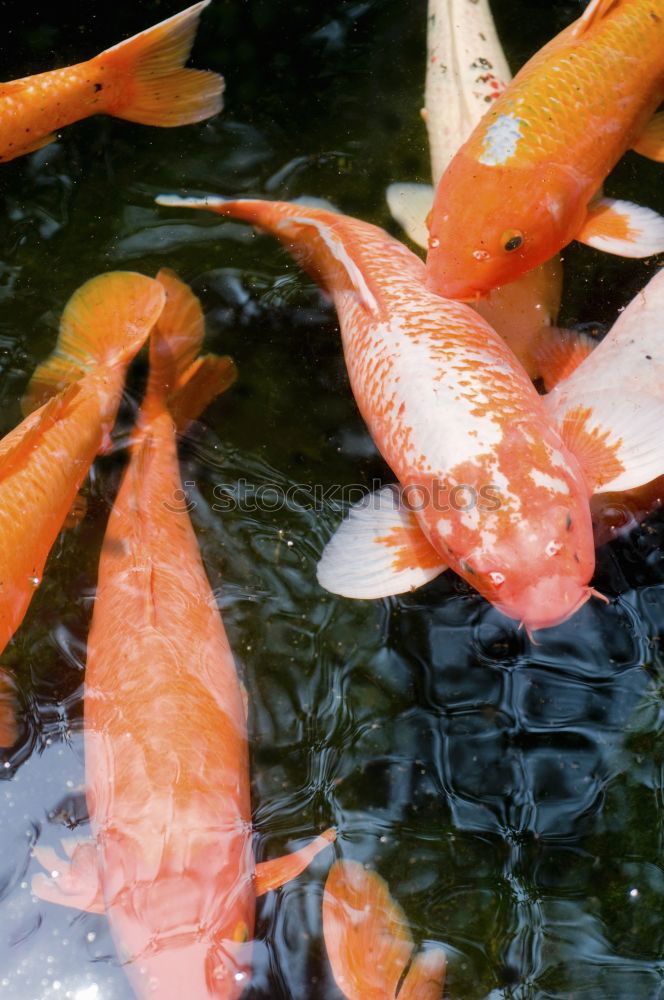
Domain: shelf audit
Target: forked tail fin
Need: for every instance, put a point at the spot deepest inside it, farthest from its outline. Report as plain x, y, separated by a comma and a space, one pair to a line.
159, 91
368, 942
105, 323
181, 379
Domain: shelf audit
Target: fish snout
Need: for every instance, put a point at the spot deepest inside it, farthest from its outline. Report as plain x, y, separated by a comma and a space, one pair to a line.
546, 602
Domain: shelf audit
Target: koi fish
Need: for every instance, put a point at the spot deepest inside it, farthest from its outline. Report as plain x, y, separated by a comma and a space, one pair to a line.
454, 415
72, 402
369, 945
167, 768
466, 70
140, 80
526, 182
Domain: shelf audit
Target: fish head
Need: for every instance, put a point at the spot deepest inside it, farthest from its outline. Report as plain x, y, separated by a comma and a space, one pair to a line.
546, 567
490, 224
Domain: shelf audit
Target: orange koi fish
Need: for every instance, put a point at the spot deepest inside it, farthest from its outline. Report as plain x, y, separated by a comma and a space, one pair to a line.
466, 70
140, 80
45, 459
488, 487
368, 942
526, 182
167, 766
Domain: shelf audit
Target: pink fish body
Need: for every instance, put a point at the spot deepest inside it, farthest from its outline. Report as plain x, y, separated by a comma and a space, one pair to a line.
167, 766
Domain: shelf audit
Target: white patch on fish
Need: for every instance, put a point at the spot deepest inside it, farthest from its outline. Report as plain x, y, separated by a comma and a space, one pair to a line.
501, 140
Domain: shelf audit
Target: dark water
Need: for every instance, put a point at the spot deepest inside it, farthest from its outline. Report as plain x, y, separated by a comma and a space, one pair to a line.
511, 794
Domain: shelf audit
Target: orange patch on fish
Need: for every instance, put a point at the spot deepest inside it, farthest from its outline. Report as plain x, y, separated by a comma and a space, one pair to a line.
411, 548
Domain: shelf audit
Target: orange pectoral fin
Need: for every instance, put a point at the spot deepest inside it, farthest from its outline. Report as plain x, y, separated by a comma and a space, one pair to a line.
560, 352
70, 883
273, 874
651, 141
592, 15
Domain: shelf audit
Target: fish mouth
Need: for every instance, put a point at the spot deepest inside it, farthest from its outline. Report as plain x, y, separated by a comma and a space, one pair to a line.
457, 290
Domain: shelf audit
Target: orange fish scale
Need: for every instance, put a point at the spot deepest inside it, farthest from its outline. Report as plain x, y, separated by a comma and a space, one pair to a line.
574, 92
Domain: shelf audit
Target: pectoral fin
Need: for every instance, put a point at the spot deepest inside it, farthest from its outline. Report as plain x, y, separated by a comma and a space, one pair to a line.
560, 352
410, 205
27, 436
622, 228
378, 550
70, 883
592, 15
651, 141
273, 874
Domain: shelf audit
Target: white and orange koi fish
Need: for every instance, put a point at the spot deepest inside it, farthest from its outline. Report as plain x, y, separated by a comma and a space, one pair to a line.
454, 415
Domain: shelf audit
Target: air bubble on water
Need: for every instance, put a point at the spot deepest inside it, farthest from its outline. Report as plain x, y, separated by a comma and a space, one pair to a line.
35, 581
633, 893
481, 255
434, 242
496, 578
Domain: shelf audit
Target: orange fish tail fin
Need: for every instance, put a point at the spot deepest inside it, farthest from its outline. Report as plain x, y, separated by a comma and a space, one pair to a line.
426, 976
180, 379
159, 91
104, 324
366, 934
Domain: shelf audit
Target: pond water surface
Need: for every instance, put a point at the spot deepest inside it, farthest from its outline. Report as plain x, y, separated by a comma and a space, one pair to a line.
511, 794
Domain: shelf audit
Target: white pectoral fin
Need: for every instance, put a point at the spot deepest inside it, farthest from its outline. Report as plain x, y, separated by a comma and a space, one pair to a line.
617, 438
410, 204
622, 228
379, 550
70, 883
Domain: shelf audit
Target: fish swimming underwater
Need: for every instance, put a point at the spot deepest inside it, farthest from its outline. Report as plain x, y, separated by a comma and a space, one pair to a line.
369, 945
167, 768
493, 491
140, 80
527, 181
466, 70
44, 460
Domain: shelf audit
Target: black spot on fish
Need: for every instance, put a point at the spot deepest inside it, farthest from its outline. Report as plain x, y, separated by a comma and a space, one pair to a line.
99, 86
656, 18
648, 357
568, 522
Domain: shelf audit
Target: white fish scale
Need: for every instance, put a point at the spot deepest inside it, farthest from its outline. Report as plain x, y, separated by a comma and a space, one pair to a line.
420, 402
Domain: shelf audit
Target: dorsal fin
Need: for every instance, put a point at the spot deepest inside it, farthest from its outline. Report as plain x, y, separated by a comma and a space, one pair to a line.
595, 12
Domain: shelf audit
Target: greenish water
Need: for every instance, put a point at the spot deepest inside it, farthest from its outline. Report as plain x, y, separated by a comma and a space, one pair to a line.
511, 794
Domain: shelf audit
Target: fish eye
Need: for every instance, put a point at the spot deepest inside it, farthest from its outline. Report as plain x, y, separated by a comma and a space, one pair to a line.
511, 239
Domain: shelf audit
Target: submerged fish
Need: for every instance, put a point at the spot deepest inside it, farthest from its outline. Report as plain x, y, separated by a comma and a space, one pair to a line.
466, 70
45, 459
369, 945
167, 766
526, 182
491, 490
140, 80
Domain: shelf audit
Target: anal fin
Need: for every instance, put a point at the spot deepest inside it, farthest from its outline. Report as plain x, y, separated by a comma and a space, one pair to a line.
70, 883
273, 874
